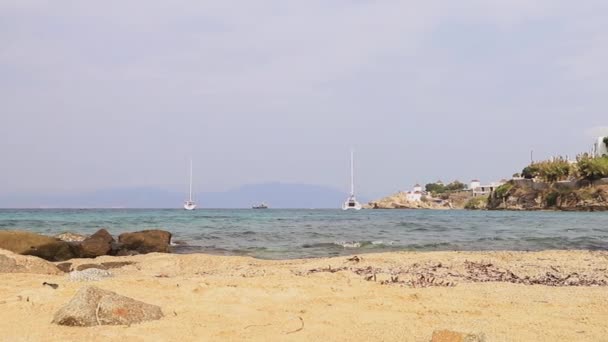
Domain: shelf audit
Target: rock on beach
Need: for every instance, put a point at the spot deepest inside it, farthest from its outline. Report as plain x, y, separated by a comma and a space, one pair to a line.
45, 247
93, 306
96, 245
146, 241
14, 263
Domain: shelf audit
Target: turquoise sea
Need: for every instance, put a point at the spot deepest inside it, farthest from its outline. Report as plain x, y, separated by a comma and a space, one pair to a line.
282, 234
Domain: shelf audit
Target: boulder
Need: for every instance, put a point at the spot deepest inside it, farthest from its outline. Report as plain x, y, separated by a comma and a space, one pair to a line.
147, 241
14, 263
93, 306
96, 245
45, 247
70, 237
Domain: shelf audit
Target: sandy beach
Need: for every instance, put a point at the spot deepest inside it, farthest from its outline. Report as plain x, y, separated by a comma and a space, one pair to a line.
382, 297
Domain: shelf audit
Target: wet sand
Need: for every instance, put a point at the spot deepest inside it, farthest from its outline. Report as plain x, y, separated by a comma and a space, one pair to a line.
507, 296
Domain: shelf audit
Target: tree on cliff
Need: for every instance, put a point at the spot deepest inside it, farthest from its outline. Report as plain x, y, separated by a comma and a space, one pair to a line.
435, 188
530, 171
455, 186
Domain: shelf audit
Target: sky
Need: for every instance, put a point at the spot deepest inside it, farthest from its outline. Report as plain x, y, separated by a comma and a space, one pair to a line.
111, 94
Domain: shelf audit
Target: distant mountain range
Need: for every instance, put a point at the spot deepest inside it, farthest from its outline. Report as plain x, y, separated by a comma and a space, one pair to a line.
276, 195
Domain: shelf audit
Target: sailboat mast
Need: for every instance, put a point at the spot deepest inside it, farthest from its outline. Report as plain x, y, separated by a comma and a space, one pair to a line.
190, 179
352, 175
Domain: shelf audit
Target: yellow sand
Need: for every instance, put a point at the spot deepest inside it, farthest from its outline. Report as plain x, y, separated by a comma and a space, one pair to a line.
215, 298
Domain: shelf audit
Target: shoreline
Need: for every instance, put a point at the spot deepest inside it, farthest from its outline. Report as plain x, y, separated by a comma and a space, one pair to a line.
376, 296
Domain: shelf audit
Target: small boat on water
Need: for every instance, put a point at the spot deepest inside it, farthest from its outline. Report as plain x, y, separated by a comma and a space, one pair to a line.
260, 206
190, 204
351, 202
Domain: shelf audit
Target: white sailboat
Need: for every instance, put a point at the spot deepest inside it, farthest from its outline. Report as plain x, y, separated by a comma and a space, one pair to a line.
189, 204
351, 202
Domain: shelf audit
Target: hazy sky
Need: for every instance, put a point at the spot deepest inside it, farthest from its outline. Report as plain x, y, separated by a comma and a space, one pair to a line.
121, 93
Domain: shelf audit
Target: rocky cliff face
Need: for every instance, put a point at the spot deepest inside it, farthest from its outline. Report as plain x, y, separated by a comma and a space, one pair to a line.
518, 196
399, 201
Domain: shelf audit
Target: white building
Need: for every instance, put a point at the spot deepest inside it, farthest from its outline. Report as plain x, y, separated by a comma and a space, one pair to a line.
600, 148
415, 195
479, 189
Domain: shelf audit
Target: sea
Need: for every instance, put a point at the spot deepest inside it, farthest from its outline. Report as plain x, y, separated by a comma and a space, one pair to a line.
300, 233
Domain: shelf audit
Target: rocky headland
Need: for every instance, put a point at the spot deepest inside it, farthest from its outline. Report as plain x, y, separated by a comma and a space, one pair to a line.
527, 194
400, 201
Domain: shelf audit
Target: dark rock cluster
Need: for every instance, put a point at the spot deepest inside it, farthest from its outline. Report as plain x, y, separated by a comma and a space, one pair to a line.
98, 244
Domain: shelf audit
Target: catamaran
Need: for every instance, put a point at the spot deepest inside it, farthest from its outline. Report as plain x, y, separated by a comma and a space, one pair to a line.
351, 201
189, 204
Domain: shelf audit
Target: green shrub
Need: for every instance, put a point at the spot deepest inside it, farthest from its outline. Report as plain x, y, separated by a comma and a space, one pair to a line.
549, 170
435, 188
551, 199
478, 202
455, 186
501, 191
555, 170
592, 168
440, 188
530, 171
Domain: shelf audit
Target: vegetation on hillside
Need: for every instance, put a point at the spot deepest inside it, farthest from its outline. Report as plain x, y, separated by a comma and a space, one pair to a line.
502, 190
513, 196
552, 170
436, 188
559, 169
592, 168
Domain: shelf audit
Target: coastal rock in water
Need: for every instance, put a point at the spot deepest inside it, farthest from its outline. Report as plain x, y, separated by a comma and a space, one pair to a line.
147, 241
26, 243
453, 336
96, 245
400, 201
14, 263
93, 306
70, 237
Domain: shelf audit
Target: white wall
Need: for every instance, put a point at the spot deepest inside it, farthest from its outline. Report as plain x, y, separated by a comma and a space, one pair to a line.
600, 147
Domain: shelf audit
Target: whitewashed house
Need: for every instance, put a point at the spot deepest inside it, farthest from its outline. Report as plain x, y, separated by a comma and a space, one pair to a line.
600, 148
416, 194
479, 189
